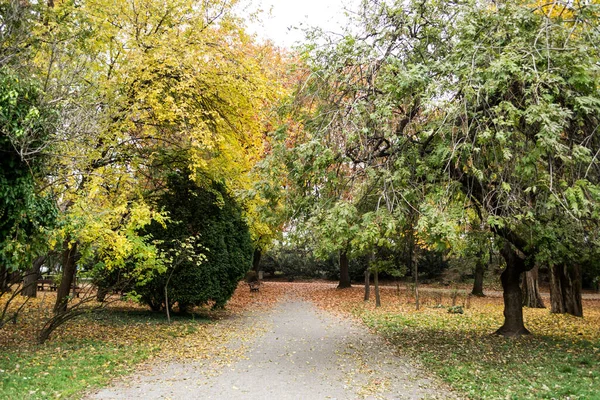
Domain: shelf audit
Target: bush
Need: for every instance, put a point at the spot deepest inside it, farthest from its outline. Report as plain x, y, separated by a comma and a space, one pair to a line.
213, 215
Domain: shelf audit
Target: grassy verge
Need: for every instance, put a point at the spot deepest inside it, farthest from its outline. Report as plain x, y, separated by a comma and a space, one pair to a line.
92, 350
461, 350
63, 369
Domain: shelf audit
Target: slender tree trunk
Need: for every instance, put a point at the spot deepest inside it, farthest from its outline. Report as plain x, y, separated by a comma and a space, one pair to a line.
531, 292
31, 276
344, 271
367, 284
376, 282
167, 305
479, 272
256, 259
513, 303
416, 269
69, 264
74, 284
565, 289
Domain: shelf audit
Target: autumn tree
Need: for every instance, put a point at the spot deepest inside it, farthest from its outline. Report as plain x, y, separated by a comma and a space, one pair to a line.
155, 85
527, 131
484, 106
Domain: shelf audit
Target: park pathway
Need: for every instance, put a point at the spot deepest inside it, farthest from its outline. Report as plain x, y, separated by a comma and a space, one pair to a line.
299, 352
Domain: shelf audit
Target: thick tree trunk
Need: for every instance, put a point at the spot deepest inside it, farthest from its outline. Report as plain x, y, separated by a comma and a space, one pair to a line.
256, 259
531, 292
565, 290
367, 284
31, 276
101, 294
4, 275
513, 303
344, 271
376, 282
479, 272
69, 264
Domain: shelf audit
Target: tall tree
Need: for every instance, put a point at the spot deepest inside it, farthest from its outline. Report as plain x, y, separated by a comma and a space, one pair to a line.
487, 105
141, 88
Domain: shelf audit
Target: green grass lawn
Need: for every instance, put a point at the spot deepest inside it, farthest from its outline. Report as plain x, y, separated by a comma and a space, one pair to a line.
88, 353
63, 369
461, 350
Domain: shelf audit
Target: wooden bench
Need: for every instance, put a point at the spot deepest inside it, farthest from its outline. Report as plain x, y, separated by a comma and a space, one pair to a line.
254, 286
46, 283
42, 284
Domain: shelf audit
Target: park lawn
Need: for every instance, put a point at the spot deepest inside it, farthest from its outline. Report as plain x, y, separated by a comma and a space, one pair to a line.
65, 368
560, 360
461, 351
90, 351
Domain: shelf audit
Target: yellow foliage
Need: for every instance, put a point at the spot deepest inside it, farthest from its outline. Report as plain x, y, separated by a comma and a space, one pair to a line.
149, 82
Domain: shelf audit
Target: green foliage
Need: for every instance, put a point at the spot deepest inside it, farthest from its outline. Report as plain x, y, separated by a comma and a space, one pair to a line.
210, 214
456, 310
434, 121
524, 152
25, 127
295, 261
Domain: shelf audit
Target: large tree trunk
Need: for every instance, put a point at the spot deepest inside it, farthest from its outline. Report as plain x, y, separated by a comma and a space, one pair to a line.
4, 275
256, 259
513, 303
479, 272
367, 284
531, 292
344, 271
565, 290
31, 276
69, 264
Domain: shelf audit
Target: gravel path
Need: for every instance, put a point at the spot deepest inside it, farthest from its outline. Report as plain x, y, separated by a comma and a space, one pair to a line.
300, 353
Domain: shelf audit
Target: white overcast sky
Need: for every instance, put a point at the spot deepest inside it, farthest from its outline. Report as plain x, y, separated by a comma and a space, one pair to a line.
282, 20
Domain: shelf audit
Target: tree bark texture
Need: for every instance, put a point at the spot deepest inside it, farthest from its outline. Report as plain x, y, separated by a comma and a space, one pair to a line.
344, 271
377, 294
31, 276
69, 264
101, 294
565, 289
531, 292
4, 278
478, 283
416, 269
367, 284
511, 285
256, 259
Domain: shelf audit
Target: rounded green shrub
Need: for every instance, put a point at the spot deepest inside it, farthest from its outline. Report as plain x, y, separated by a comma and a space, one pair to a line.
210, 213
